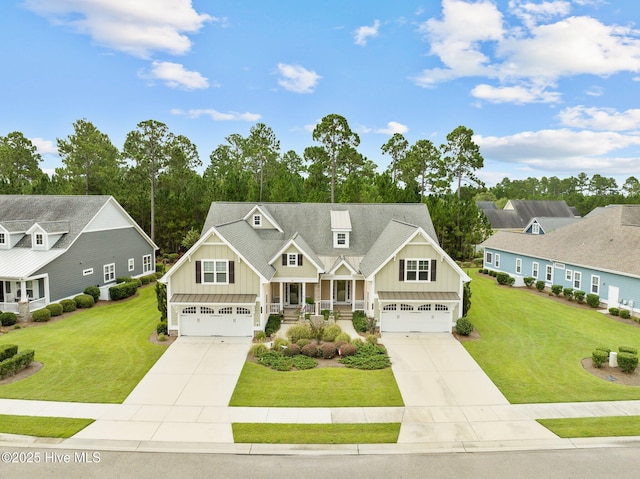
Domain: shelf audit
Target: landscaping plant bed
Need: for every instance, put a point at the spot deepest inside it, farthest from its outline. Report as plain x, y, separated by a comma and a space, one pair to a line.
614, 375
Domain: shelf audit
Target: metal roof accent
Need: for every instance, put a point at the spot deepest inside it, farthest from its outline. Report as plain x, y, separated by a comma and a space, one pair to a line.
387, 296
214, 298
340, 220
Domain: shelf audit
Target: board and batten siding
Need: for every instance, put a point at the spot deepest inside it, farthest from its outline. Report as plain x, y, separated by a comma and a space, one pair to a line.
246, 281
447, 279
92, 251
306, 271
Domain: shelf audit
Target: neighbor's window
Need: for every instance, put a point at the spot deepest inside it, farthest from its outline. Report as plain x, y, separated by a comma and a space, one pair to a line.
417, 270
534, 270
535, 228
147, 265
568, 275
497, 261
577, 279
109, 271
489, 257
215, 271
549, 273
595, 284
131, 264
518, 265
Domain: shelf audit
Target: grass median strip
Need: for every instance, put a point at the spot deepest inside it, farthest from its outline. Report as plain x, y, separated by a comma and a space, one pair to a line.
609, 426
369, 433
259, 386
42, 426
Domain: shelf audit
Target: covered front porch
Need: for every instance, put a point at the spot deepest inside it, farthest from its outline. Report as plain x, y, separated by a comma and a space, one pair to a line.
22, 296
330, 294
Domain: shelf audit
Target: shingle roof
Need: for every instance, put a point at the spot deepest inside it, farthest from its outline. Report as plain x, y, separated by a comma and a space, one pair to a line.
608, 240
518, 213
551, 224
393, 236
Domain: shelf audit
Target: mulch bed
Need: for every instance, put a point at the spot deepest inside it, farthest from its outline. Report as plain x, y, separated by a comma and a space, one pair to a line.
30, 370
614, 375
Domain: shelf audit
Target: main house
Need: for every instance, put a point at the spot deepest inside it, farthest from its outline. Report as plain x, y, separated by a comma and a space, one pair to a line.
53, 247
257, 259
599, 254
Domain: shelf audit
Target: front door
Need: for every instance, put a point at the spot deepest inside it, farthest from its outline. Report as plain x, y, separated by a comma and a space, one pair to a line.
292, 293
342, 291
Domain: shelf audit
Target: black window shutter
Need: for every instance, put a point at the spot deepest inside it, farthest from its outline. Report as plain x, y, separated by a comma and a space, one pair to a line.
433, 269
232, 272
284, 259
198, 271
299, 260
401, 272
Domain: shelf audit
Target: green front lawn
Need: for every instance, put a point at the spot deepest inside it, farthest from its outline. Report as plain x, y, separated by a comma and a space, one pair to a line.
377, 433
260, 386
95, 355
531, 346
42, 426
594, 426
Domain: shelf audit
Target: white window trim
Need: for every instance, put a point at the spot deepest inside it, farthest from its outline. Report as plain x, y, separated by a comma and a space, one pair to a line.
417, 270
131, 264
596, 284
336, 243
292, 259
215, 271
257, 220
87, 272
3, 239
496, 261
488, 257
535, 269
577, 280
147, 264
535, 229
519, 265
109, 272
548, 273
568, 275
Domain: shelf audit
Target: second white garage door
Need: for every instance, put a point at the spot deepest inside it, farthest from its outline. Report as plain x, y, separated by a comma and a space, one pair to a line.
224, 320
423, 318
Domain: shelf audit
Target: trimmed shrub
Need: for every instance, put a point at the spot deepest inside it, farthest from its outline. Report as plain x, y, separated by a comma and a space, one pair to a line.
347, 349
162, 327
368, 356
261, 336
357, 342
503, 278
273, 324
599, 357
625, 314
303, 342
593, 300
123, 290
304, 362
84, 301
627, 349
628, 362
602, 348
291, 350
94, 291
68, 305
275, 360
8, 318
258, 350
359, 321
310, 350
528, 281
8, 351
579, 295
55, 308
41, 315
556, 289
371, 339
329, 350
464, 327
614, 311
279, 343
540, 285
124, 279
299, 331
162, 337
568, 293
331, 332
16, 363
343, 337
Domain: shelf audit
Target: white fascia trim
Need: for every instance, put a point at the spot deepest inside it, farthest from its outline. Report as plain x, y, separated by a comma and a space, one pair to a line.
292, 242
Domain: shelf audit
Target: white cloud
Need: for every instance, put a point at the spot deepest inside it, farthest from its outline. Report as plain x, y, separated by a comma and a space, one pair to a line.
297, 79
44, 147
174, 75
519, 94
134, 27
363, 33
216, 115
534, 13
393, 127
600, 118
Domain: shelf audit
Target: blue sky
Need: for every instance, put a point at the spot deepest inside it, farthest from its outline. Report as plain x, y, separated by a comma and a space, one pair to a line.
549, 87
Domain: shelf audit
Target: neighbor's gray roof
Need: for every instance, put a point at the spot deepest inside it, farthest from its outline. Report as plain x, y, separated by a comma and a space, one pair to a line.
16, 226
518, 213
551, 224
608, 240
372, 232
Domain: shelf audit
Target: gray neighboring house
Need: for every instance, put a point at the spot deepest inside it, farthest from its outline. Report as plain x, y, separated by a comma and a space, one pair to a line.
257, 259
517, 214
598, 254
53, 247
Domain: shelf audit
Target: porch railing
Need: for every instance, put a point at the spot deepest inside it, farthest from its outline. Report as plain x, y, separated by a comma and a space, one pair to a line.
37, 304
359, 305
274, 308
9, 307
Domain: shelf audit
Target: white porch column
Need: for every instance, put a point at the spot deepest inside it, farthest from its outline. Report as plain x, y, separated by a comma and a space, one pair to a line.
304, 295
23, 292
353, 295
281, 292
331, 295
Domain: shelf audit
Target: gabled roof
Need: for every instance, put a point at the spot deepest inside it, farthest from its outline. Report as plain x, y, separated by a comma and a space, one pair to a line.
550, 224
50, 227
607, 240
518, 213
390, 240
258, 209
16, 226
298, 241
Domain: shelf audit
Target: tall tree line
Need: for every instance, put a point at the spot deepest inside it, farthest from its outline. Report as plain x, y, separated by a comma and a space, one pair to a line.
156, 177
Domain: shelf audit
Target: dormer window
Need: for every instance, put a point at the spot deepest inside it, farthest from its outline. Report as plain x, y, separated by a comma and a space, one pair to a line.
535, 228
39, 239
341, 239
3, 239
341, 227
257, 220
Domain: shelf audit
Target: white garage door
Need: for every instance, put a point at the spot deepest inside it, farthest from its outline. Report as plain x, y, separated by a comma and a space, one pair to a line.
224, 320
423, 318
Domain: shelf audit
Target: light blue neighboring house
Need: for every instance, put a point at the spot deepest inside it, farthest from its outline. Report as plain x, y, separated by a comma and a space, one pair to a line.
598, 254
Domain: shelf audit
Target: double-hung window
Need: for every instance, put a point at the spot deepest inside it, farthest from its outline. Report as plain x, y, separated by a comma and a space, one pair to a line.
577, 279
518, 265
417, 270
109, 271
534, 270
147, 265
215, 271
595, 284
